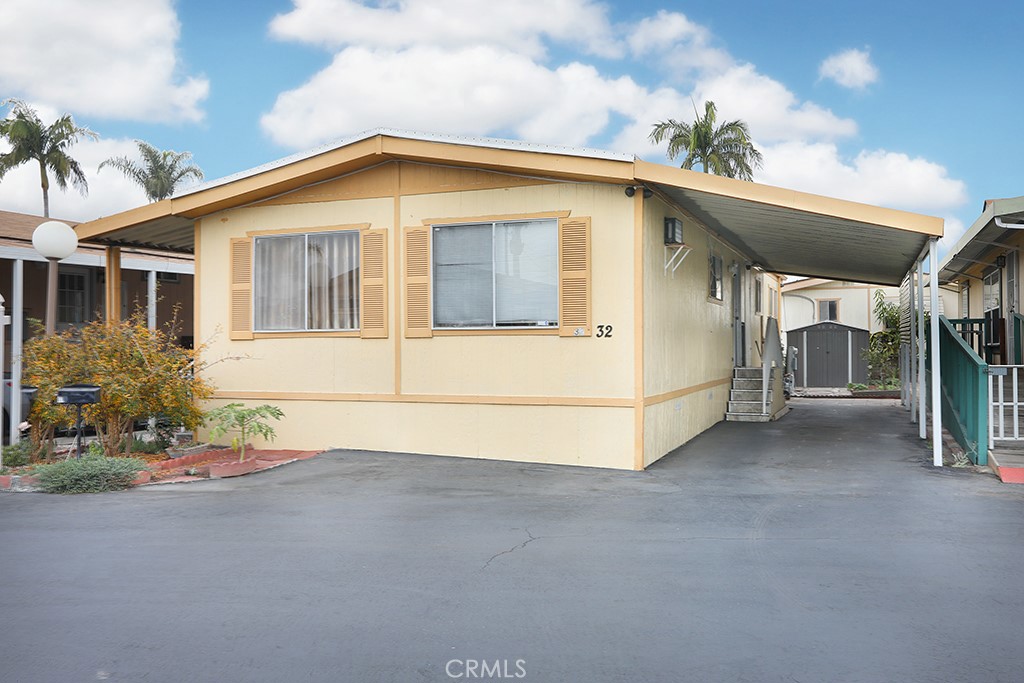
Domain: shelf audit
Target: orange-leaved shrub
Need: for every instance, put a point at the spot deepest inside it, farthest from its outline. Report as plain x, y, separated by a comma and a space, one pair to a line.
140, 372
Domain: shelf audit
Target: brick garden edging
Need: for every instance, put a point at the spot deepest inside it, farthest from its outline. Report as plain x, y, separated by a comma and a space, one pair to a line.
266, 459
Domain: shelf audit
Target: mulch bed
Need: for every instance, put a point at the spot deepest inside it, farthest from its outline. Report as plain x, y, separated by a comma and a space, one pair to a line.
199, 464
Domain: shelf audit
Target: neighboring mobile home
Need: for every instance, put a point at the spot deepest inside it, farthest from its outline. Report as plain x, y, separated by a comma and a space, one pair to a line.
80, 293
982, 382
496, 299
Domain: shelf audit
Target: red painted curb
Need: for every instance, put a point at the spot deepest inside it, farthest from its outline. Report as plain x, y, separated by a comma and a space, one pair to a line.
142, 477
5, 481
1012, 475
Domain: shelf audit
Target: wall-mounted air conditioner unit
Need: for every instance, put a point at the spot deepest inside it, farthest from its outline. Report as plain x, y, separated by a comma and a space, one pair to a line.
673, 231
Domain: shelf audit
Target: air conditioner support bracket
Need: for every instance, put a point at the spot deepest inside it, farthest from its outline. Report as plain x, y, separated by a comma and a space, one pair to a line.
675, 254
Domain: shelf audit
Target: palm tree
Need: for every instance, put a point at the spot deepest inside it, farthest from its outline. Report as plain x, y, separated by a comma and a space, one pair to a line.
723, 150
160, 171
31, 140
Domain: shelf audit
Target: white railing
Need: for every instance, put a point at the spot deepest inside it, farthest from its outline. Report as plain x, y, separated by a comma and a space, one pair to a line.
1000, 410
772, 356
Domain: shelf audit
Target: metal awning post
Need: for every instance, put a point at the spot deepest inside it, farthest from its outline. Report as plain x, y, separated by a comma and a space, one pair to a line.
919, 389
933, 267
912, 354
17, 333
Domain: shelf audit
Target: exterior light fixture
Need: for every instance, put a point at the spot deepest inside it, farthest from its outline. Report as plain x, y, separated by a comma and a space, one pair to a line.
630, 191
1001, 261
55, 241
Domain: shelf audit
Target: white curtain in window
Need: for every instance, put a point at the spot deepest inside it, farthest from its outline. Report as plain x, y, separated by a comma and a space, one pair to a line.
463, 282
333, 281
526, 273
278, 283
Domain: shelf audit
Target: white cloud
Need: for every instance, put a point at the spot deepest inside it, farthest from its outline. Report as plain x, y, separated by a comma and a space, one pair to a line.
108, 58
420, 65
520, 26
891, 179
473, 91
771, 110
954, 229
682, 46
850, 69
109, 191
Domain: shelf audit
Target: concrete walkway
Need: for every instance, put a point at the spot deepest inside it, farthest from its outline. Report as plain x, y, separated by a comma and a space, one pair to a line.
822, 547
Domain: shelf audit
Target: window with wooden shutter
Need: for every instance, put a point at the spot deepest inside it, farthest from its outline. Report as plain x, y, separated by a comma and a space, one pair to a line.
574, 277
417, 282
373, 270
241, 288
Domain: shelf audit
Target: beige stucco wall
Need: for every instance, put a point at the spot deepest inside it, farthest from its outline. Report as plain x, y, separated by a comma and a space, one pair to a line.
531, 397
472, 395
688, 336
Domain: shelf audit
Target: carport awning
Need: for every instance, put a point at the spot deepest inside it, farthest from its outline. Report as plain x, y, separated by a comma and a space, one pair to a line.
782, 231
988, 233
796, 233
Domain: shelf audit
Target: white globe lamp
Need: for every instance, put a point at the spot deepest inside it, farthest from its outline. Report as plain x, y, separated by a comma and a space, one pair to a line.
55, 241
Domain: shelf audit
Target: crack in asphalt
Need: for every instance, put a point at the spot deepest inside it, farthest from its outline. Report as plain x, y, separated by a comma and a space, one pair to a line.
514, 548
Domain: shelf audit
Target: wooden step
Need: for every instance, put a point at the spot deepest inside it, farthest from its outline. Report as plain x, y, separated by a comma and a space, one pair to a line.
748, 395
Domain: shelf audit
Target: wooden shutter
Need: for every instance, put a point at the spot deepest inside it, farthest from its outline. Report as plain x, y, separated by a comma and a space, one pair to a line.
241, 288
373, 274
574, 277
417, 282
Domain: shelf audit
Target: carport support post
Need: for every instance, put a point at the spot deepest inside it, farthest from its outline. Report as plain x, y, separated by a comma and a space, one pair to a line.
919, 390
17, 332
912, 355
933, 268
151, 300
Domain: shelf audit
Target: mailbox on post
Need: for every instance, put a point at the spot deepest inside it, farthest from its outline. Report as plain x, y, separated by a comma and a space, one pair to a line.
78, 395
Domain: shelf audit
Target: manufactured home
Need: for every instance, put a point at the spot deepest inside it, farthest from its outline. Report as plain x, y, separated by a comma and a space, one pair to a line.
494, 299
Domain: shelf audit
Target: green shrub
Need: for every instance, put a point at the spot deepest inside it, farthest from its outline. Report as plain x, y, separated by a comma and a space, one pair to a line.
142, 446
88, 475
18, 454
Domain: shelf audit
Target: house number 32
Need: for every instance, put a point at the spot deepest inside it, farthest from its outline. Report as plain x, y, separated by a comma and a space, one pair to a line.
604, 331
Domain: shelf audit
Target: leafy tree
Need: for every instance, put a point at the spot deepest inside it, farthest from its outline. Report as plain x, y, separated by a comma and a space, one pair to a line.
160, 171
724, 150
246, 421
141, 372
883, 352
31, 140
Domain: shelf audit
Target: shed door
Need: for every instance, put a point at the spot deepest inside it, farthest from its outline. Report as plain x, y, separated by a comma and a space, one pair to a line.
827, 356
830, 355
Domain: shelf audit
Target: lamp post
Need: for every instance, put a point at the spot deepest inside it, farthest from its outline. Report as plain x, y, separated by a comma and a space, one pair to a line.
55, 241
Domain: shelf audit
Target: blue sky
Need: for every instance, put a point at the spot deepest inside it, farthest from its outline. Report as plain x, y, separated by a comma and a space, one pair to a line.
911, 105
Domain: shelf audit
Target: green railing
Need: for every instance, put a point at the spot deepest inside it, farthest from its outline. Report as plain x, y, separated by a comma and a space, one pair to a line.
973, 331
1018, 326
964, 392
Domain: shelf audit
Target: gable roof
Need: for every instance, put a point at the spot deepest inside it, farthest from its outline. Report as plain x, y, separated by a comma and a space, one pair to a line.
781, 230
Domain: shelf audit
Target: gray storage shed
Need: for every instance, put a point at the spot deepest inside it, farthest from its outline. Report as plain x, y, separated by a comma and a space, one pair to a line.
830, 354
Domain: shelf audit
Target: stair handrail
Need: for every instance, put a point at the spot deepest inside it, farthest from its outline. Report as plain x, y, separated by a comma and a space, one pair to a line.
772, 356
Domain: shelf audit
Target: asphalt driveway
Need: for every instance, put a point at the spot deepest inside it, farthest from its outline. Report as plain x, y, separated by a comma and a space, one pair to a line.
819, 548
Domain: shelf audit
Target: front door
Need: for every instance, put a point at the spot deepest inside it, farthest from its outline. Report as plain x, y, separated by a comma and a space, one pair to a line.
739, 337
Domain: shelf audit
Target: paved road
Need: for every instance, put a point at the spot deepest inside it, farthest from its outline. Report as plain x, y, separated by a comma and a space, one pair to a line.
819, 548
